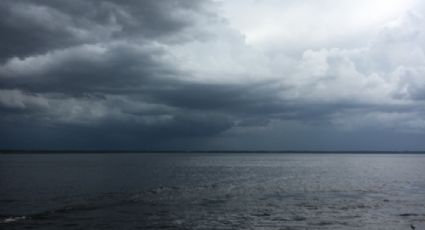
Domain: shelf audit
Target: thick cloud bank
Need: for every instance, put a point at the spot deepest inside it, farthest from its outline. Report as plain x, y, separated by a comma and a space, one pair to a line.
191, 75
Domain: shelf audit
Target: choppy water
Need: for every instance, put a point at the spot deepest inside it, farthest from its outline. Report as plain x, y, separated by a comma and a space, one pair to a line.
212, 191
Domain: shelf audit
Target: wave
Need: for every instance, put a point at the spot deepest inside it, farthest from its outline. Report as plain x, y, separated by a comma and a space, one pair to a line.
11, 219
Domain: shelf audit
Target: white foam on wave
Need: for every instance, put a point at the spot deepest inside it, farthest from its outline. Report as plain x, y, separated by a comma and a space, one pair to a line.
12, 219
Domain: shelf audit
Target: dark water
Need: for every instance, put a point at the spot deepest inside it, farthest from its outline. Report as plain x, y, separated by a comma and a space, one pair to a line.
212, 191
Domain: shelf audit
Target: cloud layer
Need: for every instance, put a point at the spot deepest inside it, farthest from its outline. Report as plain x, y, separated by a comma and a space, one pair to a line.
190, 75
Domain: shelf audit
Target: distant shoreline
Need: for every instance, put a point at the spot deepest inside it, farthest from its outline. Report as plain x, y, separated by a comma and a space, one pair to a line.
12, 151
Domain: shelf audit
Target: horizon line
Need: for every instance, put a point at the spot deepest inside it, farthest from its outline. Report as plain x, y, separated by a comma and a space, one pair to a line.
17, 151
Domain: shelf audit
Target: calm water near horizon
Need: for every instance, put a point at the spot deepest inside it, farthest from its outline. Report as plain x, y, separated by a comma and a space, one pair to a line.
212, 191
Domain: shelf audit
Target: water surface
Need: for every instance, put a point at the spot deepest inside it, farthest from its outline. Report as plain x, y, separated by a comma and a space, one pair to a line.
212, 191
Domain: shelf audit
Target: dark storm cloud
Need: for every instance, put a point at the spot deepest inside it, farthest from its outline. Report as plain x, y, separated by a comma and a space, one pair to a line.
171, 74
84, 68
89, 69
36, 27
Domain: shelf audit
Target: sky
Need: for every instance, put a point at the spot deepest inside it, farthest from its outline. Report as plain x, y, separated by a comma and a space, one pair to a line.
212, 74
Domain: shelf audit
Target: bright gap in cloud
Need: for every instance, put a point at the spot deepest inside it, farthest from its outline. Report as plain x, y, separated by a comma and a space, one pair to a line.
309, 21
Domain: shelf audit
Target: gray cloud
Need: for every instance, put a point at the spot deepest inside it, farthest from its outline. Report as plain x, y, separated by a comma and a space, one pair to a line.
30, 27
176, 74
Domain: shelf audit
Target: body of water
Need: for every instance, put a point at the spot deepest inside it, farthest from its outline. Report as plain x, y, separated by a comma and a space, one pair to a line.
212, 191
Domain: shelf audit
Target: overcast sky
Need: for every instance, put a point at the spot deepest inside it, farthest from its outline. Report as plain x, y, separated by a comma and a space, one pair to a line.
199, 74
